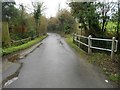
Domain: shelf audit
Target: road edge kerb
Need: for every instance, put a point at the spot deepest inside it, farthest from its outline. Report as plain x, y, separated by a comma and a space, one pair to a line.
21, 64
17, 51
25, 55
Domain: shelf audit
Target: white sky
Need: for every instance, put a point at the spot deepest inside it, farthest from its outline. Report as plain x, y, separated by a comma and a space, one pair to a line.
50, 5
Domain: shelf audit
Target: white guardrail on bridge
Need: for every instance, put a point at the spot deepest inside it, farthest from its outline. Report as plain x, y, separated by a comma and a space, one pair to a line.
113, 41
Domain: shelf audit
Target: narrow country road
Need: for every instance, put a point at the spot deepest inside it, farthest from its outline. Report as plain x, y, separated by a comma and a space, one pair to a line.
55, 65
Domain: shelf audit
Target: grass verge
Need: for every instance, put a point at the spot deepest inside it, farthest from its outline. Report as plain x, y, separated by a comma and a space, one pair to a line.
102, 60
108, 66
69, 40
12, 49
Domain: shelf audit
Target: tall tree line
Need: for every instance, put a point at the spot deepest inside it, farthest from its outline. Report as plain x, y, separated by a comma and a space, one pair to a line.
95, 16
22, 24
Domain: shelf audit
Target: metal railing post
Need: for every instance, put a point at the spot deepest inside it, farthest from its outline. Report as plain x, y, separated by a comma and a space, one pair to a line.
73, 37
79, 43
89, 44
76, 40
113, 48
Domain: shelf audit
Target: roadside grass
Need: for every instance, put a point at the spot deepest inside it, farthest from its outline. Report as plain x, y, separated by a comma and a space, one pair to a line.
102, 60
69, 40
108, 66
12, 49
111, 26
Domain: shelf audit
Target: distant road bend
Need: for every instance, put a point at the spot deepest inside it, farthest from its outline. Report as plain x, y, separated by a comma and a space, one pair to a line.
55, 65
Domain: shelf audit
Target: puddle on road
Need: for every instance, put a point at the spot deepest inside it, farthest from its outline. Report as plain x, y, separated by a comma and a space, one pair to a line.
61, 42
63, 46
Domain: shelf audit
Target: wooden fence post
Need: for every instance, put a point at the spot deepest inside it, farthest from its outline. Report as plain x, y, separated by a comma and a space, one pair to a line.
89, 44
113, 48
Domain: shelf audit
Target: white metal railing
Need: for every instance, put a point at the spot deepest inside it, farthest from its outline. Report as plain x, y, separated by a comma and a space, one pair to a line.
90, 47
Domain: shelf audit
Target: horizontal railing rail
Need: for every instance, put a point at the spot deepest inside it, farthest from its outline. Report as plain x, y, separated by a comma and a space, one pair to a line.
113, 41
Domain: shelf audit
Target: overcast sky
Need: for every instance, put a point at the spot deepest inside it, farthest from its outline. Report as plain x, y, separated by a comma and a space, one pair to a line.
50, 5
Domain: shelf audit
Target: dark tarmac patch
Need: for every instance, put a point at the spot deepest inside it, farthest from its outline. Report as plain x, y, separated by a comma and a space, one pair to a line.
12, 76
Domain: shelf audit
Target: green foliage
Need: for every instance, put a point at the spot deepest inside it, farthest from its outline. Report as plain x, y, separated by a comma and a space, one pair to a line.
17, 36
93, 16
67, 22
53, 24
38, 9
31, 33
115, 77
63, 22
96, 20
8, 10
21, 47
21, 24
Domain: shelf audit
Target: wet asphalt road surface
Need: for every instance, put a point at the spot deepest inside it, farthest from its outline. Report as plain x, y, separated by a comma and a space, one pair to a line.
55, 65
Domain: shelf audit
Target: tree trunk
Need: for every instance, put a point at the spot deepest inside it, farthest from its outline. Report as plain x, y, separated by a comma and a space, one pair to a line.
103, 25
37, 31
85, 26
5, 34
